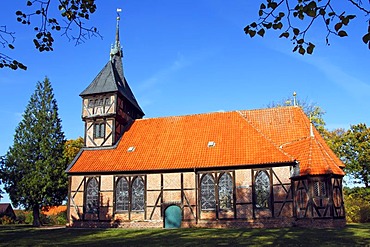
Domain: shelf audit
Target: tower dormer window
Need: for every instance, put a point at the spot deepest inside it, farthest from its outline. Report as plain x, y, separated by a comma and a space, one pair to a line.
99, 130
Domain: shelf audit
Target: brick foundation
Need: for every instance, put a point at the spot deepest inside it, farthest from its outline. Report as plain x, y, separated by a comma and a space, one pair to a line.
239, 223
320, 223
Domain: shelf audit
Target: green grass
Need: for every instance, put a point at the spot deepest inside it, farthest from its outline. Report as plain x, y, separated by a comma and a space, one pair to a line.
351, 235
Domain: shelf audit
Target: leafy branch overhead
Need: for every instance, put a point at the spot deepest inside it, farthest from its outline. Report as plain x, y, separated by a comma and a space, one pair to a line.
70, 23
294, 21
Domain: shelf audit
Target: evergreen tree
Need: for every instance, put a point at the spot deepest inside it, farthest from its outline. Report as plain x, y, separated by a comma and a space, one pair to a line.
2, 160
33, 169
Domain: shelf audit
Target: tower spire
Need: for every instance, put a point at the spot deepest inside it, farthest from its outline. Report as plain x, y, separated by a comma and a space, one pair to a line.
294, 98
116, 48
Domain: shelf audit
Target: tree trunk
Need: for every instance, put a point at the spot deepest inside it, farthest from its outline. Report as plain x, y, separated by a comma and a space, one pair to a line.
36, 215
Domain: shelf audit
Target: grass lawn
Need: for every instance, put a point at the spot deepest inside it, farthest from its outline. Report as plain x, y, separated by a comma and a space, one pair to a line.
351, 235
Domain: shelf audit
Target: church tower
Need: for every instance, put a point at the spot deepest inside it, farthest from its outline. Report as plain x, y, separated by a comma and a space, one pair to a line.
108, 104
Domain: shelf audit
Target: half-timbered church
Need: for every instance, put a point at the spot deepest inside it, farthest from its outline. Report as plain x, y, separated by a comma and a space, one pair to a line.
246, 168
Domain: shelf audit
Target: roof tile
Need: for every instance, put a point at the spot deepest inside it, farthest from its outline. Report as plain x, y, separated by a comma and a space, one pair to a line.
242, 138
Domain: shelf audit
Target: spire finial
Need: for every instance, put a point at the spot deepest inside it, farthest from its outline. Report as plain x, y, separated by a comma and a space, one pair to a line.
117, 28
311, 126
116, 48
294, 98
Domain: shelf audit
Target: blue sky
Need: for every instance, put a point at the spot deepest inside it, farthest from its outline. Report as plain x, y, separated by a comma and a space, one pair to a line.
187, 57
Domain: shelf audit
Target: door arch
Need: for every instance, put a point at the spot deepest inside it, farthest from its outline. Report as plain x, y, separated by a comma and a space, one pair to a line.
172, 217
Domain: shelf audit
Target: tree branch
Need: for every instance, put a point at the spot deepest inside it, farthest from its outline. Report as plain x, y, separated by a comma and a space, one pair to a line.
358, 5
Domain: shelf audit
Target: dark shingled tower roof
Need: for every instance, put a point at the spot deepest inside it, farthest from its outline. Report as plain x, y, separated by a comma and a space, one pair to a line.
111, 78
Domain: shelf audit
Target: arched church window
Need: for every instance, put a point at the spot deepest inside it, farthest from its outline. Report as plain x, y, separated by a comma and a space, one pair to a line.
225, 191
138, 194
207, 192
92, 196
122, 196
262, 190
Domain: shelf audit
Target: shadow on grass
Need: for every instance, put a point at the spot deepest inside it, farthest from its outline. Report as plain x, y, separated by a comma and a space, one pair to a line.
352, 235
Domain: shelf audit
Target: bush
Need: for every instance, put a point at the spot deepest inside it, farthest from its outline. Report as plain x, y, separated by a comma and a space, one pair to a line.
21, 217
45, 219
54, 219
26, 217
61, 218
29, 218
357, 203
6, 220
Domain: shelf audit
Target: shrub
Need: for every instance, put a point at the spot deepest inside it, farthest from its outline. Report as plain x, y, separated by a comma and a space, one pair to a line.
45, 219
357, 203
29, 218
21, 217
6, 220
61, 218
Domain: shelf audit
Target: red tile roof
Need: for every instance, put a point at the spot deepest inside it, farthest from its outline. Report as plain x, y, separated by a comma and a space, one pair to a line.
242, 138
4, 207
53, 210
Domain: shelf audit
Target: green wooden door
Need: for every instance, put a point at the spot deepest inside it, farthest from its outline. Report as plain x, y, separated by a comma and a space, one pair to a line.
172, 217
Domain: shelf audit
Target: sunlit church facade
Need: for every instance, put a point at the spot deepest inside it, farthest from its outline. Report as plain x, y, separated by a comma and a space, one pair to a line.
247, 168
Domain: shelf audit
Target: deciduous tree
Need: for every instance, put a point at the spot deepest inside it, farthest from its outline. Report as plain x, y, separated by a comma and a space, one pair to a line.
356, 153
71, 148
33, 172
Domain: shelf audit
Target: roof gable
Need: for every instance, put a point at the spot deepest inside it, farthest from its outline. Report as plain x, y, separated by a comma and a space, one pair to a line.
5, 207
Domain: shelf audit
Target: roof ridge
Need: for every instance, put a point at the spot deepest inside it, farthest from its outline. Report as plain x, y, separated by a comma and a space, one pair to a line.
291, 142
219, 112
272, 108
188, 115
264, 136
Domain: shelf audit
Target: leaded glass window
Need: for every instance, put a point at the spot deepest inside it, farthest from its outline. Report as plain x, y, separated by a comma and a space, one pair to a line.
225, 191
262, 190
319, 189
92, 196
99, 130
122, 197
91, 103
138, 194
207, 191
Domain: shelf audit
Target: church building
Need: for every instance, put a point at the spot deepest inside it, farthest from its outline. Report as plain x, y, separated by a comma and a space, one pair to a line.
246, 168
